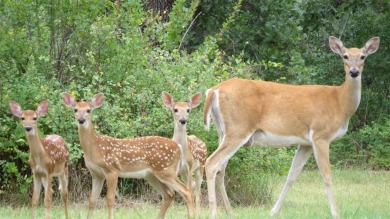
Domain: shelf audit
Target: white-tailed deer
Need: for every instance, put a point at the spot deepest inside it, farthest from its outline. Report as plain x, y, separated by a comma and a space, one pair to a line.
247, 112
48, 157
194, 149
153, 158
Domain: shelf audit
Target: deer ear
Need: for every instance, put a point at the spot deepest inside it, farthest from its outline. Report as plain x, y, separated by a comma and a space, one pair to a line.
336, 45
15, 108
42, 108
68, 100
371, 46
97, 100
195, 100
168, 99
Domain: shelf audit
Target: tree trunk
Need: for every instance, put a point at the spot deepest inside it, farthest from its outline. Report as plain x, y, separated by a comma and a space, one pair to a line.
159, 7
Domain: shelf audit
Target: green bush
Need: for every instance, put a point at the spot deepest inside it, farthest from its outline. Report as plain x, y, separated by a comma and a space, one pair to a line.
254, 171
366, 147
377, 139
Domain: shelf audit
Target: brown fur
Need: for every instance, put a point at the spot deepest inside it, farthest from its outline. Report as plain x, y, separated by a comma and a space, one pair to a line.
194, 149
48, 157
154, 158
272, 114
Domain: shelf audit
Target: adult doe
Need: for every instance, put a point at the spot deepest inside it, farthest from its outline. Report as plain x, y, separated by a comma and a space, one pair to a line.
247, 112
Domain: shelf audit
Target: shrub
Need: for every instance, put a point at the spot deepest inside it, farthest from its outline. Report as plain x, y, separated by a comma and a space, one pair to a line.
366, 147
253, 172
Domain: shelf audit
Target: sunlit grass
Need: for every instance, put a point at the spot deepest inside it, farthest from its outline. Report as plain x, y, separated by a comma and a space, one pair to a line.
360, 194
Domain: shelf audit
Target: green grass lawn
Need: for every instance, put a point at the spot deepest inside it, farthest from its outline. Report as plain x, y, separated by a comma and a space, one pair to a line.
360, 194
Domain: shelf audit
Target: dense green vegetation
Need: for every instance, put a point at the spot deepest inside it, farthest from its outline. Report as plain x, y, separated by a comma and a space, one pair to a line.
85, 47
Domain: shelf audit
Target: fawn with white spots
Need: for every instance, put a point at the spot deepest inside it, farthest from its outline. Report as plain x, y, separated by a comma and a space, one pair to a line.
247, 112
153, 158
194, 149
48, 157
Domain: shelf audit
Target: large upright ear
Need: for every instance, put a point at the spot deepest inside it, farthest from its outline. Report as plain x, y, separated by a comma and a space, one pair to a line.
195, 100
15, 108
42, 108
336, 45
371, 46
68, 100
168, 100
97, 100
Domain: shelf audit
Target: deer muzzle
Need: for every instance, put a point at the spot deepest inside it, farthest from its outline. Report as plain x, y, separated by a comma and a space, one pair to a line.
354, 73
183, 121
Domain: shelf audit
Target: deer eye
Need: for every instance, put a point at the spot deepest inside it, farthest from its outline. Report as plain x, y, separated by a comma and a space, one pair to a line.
175, 110
35, 118
345, 57
88, 111
22, 118
362, 57
75, 110
188, 110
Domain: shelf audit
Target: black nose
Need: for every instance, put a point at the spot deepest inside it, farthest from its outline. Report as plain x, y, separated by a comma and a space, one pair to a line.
354, 73
81, 121
28, 129
182, 121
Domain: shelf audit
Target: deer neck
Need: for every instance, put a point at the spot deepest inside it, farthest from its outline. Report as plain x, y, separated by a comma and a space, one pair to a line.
350, 94
87, 136
35, 145
180, 136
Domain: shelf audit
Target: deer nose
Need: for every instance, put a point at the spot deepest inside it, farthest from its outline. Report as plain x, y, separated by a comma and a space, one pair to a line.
28, 128
182, 121
354, 73
81, 121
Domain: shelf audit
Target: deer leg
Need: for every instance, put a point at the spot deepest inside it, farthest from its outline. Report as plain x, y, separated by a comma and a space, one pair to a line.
112, 181
186, 193
167, 194
197, 193
170, 179
217, 163
301, 156
97, 184
36, 192
63, 181
202, 178
190, 180
185, 175
321, 153
211, 173
220, 179
48, 194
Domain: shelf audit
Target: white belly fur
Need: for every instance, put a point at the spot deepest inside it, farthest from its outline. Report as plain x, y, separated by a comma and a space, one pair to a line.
269, 139
137, 174
340, 132
122, 174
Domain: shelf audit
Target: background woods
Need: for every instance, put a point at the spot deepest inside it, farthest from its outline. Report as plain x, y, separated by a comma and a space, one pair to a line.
131, 52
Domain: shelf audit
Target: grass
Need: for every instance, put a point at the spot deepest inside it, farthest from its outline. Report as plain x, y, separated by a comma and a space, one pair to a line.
360, 194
